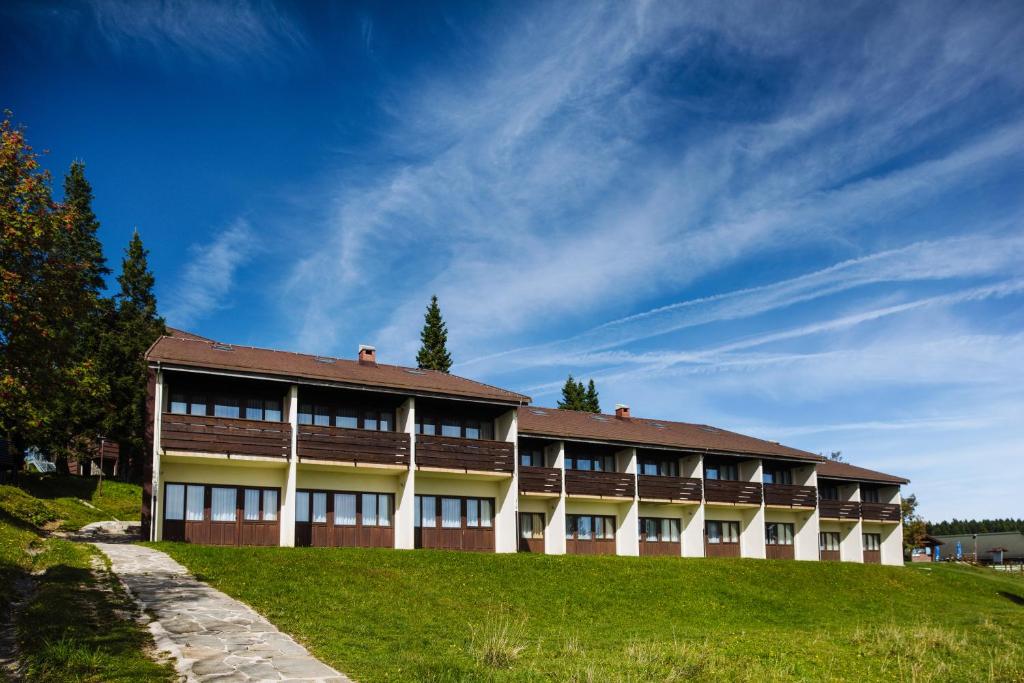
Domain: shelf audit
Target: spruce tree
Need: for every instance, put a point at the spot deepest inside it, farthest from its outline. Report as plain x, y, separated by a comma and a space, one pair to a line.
135, 325
591, 400
433, 353
573, 395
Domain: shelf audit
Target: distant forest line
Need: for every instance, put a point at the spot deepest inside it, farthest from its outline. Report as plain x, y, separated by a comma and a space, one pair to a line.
974, 526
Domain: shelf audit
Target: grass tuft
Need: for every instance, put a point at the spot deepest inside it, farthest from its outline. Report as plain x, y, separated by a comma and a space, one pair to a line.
498, 642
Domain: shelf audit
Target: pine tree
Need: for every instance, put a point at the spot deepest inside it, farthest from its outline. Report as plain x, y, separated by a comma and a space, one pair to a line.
591, 400
433, 353
134, 326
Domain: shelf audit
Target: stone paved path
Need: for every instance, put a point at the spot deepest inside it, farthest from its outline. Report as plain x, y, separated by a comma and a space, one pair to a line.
209, 635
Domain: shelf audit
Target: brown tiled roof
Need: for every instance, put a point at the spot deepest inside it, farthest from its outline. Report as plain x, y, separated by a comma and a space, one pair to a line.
832, 469
182, 334
197, 353
571, 424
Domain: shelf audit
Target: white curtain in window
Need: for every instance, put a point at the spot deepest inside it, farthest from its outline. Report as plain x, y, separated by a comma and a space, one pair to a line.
451, 513
222, 505
174, 505
472, 512
369, 509
583, 528
252, 505
270, 505
194, 504
714, 532
319, 508
486, 514
384, 510
301, 506
429, 512
344, 509
526, 526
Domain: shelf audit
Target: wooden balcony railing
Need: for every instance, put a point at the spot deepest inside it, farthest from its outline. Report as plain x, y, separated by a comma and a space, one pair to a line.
465, 454
227, 435
668, 488
886, 512
839, 509
788, 494
540, 480
720, 491
318, 442
588, 483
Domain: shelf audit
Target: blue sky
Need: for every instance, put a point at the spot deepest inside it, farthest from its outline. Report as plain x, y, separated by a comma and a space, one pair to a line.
800, 222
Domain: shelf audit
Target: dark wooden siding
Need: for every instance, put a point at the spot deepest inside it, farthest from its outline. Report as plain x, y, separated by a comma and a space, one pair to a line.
886, 512
231, 436
316, 442
602, 546
531, 545
589, 483
237, 532
791, 495
829, 555
839, 509
873, 557
720, 491
669, 548
540, 480
329, 535
721, 549
669, 488
779, 552
465, 454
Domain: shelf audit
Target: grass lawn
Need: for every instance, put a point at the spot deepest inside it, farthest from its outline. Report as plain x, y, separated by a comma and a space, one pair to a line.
64, 495
381, 615
77, 624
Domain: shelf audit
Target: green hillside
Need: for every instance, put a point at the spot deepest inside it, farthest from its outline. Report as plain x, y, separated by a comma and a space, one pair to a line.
382, 615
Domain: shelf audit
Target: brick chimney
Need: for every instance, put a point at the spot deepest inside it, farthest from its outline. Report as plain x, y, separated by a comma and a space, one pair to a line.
367, 355
621, 410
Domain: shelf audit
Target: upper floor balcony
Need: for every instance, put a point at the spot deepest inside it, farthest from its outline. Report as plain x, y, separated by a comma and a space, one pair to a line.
600, 483
790, 495
224, 435
547, 480
675, 489
735, 492
454, 453
348, 445
884, 512
838, 509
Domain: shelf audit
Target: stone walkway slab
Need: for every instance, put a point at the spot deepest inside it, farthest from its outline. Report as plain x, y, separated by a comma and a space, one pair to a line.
210, 635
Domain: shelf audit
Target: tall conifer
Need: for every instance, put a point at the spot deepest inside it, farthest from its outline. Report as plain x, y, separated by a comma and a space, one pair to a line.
433, 353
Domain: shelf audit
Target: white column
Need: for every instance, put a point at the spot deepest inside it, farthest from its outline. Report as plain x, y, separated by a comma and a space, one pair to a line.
156, 518
892, 538
405, 501
554, 532
752, 527
851, 543
627, 536
693, 524
291, 476
505, 540
805, 536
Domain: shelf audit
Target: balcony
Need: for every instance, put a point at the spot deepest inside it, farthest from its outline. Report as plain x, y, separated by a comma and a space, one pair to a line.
224, 435
885, 512
540, 480
790, 495
675, 489
839, 509
359, 446
735, 492
603, 484
477, 455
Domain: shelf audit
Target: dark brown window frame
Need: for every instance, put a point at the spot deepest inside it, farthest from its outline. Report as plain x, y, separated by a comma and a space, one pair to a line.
573, 521
533, 515
607, 463
210, 401
660, 464
823, 546
463, 510
329, 508
332, 409
722, 522
643, 532
875, 536
464, 423
208, 502
792, 533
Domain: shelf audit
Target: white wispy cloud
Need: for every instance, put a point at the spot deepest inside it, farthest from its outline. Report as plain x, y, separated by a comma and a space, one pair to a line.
208, 279
224, 32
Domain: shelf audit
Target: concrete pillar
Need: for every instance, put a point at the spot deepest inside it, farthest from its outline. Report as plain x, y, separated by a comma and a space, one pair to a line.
851, 543
156, 510
752, 527
405, 500
505, 522
291, 475
805, 531
627, 536
892, 544
693, 524
554, 532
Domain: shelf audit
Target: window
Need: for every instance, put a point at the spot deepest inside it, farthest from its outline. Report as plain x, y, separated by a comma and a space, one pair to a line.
227, 406
589, 527
269, 505
302, 506
344, 509
346, 417
455, 427
263, 409
531, 525
319, 508
195, 503
254, 409
828, 540
428, 426
486, 512
305, 413
472, 512
370, 515
197, 405
869, 495
174, 505
322, 416
451, 427
179, 405
531, 458
386, 421
272, 410
778, 477
223, 505
872, 541
604, 463
722, 532
451, 513
384, 509
828, 492
472, 430
426, 511
252, 505
370, 420
657, 529
723, 471
778, 533
659, 468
